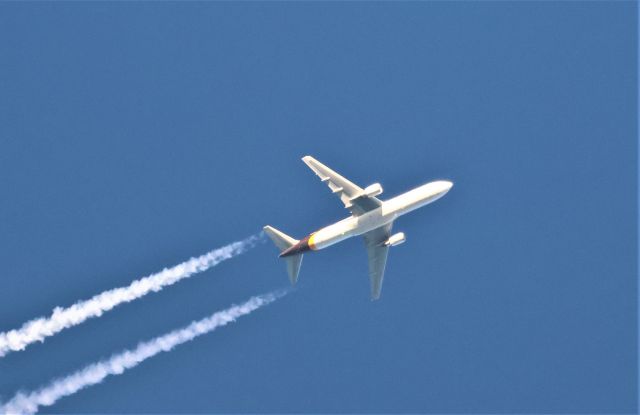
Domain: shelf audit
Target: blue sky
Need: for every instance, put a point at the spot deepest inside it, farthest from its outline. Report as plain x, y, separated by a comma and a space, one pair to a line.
136, 135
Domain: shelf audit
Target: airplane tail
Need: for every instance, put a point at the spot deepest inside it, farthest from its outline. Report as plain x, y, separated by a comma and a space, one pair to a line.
284, 241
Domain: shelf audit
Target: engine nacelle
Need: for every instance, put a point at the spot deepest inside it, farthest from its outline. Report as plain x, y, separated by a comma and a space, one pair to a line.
373, 190
396, 239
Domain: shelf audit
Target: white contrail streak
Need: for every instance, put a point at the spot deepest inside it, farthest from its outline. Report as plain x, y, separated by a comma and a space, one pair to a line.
63, 318
28, 403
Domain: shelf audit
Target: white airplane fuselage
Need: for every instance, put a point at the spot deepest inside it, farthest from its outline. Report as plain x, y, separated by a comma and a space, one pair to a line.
357, 225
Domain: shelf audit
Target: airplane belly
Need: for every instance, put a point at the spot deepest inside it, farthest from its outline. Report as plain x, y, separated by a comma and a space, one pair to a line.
347, 228
332, 234
373, 220
417, 197
388, 212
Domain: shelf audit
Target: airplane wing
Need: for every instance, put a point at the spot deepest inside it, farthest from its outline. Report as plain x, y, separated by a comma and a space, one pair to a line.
351, 195
377, 252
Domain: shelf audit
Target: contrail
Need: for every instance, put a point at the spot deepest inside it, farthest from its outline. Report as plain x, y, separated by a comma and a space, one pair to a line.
63, 318
28, 403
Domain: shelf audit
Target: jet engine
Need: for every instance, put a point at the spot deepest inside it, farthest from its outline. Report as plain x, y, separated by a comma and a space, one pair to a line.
395, 239
373, 190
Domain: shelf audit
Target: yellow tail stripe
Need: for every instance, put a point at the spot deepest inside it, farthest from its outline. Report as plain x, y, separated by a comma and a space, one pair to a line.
311, 244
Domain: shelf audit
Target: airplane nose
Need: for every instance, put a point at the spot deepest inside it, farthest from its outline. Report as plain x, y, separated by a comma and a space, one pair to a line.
446, 186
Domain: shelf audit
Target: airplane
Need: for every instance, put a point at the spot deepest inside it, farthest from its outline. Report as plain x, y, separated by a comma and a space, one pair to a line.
370, 217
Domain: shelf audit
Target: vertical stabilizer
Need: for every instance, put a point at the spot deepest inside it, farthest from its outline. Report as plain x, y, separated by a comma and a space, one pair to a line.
283, 242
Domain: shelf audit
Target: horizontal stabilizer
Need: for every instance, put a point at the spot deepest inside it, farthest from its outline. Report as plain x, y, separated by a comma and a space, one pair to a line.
282, 240
294, 263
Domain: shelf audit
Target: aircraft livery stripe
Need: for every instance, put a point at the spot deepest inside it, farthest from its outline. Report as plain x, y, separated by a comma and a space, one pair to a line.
311, 244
